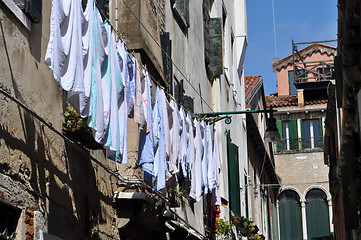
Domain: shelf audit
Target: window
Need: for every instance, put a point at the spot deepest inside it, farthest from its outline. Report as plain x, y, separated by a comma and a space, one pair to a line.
32, 8
181, 12
213, 42
312, 133
8, 221
288, 132
298, 135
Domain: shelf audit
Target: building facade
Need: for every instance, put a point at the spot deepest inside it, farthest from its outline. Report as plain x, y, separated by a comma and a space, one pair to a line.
304, 202
263, 182
59, 184
342, 154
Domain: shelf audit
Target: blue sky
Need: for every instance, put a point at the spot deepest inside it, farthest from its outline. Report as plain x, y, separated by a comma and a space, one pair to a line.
303, 21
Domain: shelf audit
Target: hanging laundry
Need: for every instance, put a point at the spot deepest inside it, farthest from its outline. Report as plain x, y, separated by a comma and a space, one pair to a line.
96, 117
116, 132
80, 100
64, 54
197, 175
205, 143
130, 90
175, 133
183, 143
146, 145
191, 145
210, 168
168, 122
106, 78
139, 108
217, 168
160, 162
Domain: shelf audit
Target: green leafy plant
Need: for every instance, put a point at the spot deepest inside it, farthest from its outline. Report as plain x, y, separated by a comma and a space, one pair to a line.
72, 119
177, 191
223, 228
247, 228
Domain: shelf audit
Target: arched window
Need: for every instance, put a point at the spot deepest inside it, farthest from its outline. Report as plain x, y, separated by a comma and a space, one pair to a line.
318, 224
290, 215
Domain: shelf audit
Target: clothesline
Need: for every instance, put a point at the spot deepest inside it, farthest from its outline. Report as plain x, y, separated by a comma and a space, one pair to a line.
108, 84
165, 53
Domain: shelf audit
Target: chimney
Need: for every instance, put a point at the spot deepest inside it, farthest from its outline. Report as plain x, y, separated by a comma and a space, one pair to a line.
300, 97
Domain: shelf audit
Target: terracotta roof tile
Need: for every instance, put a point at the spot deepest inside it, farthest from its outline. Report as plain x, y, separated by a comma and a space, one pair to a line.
274, 100
250, 82
313, 102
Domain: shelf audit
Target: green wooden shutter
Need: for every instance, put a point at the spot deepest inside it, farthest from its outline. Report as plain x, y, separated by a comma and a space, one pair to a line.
280, 130
233, 171
32, 9
290, 220
317, 219
246, 193
321, 127
216, 47
294, 135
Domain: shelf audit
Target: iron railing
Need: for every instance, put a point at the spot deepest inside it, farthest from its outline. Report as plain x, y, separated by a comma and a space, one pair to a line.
299, 145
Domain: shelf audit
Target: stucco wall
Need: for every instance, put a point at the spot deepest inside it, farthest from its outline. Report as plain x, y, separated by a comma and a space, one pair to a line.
40, 171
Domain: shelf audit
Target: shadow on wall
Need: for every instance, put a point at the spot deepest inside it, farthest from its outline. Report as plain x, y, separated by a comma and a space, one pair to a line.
65, 182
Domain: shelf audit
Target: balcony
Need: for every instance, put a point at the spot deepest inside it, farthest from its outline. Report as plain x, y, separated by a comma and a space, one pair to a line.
316, 71
298, 145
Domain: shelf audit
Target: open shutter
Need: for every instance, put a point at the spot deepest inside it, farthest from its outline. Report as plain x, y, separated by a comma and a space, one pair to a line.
233, 171
216, 43
166, 44
186, 11
291, 83
294, 137
182, 8
32, 9
280, 143
321, 127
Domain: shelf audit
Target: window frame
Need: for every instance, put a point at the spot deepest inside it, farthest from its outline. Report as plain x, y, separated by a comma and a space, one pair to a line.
18, 13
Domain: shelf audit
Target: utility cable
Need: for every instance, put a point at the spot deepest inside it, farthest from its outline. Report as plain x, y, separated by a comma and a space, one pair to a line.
81, 148
285, 184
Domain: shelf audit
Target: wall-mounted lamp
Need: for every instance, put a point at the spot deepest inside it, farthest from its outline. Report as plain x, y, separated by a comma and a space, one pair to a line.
272, 134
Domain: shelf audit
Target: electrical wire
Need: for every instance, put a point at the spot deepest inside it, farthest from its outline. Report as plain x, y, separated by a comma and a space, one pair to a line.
284, 184
81, 148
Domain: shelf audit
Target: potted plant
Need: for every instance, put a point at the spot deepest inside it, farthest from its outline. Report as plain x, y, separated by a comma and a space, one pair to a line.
75, 128
175, 195
223, 228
